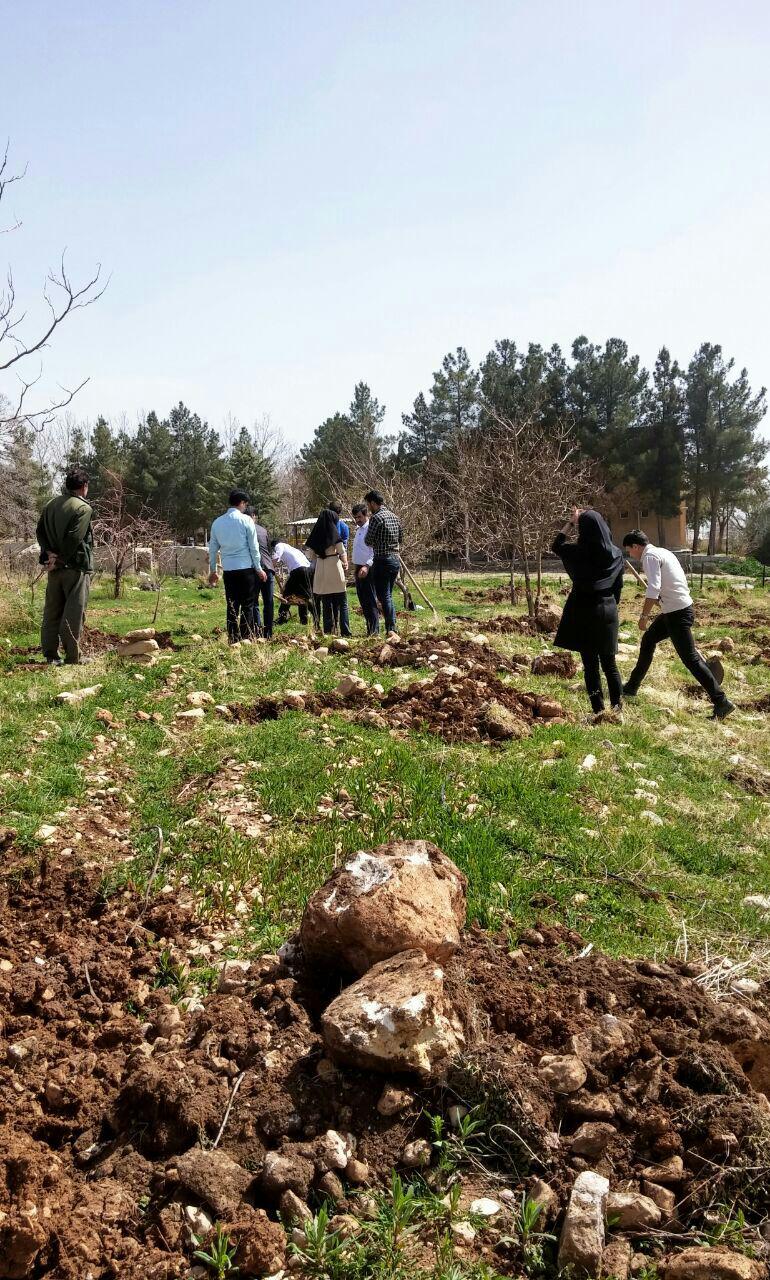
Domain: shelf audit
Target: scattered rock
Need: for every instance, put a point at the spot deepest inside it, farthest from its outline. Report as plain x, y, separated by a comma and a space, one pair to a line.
333, 1150
393, 1100
544, 1195
630, 1211
582, 1237
293, 1209
592, 1139
564, 1073
261, 1243
758, 901
711, 1264
588, 763
357, 1172
213, 1177
395, 1018
74, 697
463, 1232
351, 684
663, 1197
485, 1207
199, 698
198, 1221
499, 722
616, 1260
195, 713
286, 1171
416, 1155
232, 976
671, 1171
401, 895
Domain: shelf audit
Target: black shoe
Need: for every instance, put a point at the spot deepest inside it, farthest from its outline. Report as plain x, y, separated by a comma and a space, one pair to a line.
723, 709
55, 662
629, 691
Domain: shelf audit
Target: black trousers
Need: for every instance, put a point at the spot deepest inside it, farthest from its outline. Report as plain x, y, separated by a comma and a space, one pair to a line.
591, 663
265, 592
299, 586
676, 627
367, 598
334, 610
241, 596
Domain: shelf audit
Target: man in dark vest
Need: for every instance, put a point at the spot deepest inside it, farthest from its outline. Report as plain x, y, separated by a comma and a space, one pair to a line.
266, 588
66, 551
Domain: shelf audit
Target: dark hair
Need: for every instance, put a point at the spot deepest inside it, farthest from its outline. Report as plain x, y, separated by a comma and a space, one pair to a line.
359, 509
636, 539
75, 478
237, 496
374, 495
336, 506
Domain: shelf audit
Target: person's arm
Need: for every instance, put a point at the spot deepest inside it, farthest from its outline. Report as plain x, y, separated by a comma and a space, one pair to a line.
213, 550
253, 545
77, 532
342, 553
652, 568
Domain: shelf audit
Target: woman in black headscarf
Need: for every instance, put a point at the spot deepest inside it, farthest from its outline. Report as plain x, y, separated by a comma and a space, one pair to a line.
328, 554
589, 622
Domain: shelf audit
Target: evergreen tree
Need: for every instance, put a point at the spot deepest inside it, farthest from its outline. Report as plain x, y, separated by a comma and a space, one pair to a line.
344, 449
605, 387
199, 490
25, 484
104, 455
658, 463
526, 385
724, 454
421, 437
151, 475
452, 407
249, 469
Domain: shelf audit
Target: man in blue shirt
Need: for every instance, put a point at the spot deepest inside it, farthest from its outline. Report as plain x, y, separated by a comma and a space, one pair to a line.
234, 536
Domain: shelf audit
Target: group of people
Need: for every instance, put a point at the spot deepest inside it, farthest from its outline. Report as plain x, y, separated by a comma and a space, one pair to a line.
316, 575
589, 622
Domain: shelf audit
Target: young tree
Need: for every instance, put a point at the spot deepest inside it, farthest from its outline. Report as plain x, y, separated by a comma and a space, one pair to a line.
120, 526
724, 454
21, 341
25, 485
604, 396
249, 469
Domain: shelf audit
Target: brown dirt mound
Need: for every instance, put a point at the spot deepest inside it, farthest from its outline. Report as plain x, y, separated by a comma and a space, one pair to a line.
437, 651
487, 595
555, 664
754, 781
106, 1082
547, 620
93, 642
464, 708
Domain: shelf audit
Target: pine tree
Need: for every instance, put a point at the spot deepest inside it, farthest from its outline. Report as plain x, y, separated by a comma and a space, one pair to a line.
249, 469
526, 385
104, 457
605, 387
344, 448
658, 460
200, 473
152, 467
452, 407
25, 484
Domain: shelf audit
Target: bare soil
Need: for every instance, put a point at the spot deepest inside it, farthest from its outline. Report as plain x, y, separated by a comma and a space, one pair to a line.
106, 1082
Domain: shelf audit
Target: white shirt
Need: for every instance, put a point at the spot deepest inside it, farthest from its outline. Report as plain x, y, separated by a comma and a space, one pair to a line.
361, 553
666, 580
290, 557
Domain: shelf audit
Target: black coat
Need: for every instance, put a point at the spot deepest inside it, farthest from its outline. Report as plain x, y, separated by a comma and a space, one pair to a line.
589, 621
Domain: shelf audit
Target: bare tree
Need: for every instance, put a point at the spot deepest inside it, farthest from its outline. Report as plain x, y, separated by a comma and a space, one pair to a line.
122, 529
533, 473
21, 343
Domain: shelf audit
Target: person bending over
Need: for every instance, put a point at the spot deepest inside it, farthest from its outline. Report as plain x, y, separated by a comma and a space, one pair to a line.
298, 586
589, 621
667, 584
234, 536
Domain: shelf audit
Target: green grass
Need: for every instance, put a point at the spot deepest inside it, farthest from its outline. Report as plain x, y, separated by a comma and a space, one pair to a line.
526, 832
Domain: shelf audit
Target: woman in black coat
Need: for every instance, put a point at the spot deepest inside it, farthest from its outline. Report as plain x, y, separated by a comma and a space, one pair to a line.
589, 622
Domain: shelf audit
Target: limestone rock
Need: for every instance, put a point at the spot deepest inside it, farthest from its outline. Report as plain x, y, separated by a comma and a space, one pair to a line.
669, 1172
293, 1209
139, 633
416, 1155
395, 1018
393, 1100
334, 1150
137, 648
711, 1264
287, 1170
401, 895
357, 1172
73, 697
630, 1211
663, 1197
758, 901
545, 1196
582, 1237
499, 722
484, 1207
592, 1139
195, 713
213, 1177
199, 698
616, 1260
350, 684
564, 1073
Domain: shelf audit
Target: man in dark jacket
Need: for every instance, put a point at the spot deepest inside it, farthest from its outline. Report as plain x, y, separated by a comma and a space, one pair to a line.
66, 550
266, 587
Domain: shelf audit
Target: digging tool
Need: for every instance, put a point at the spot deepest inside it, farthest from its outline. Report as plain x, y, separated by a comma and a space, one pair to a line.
419, 589
636, 573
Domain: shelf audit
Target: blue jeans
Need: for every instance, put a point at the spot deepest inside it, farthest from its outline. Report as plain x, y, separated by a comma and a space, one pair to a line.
265, 590
384, 572
367, 599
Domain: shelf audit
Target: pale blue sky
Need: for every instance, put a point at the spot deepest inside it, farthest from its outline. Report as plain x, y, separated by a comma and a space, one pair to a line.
292, 197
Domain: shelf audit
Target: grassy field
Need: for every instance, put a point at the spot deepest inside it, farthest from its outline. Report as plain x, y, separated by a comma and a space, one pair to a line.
252, 818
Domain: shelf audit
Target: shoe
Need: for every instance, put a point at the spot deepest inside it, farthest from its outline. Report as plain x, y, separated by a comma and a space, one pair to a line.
55, 662
629, 692
722, 709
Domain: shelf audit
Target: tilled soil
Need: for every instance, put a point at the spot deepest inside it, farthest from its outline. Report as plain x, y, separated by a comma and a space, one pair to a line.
92, 643
458, 708
545, 622
423, 651
106, 1082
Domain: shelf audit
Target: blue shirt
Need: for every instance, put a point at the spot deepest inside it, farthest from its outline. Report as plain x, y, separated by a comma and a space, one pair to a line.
234, 536
344, 531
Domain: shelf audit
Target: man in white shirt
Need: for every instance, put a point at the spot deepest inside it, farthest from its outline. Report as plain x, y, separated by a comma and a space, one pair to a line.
667, 584
363, 557
298, 587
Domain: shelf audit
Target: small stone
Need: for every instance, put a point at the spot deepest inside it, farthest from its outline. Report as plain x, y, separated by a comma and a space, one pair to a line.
393, 1100
700, 1263
416, 1155
463, 1232
746, 987
344, 1225
46, 832
544, 1196
564, 1073
757, 901
198, 1221
293, 1209
200, 699
664, 1198
455, 1114
283, 1171
582, 1238
331, 1186
592, 1139
485, 1207
616, 1260
357, 1172
654, 819
670, 1171
592, 1106
232, 976
334, 1151
588, 763
195, 713
630, 1211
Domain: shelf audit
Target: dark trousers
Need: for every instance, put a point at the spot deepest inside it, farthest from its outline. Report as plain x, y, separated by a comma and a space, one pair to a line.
298, 588
368, 601
265, 591
66, 597
332, 607
241, 596
384, 572
591, 662
676, 627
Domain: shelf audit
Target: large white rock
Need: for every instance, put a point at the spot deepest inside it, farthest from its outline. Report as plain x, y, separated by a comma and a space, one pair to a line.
582, 1236
711, 1264
395, 1018
396, 897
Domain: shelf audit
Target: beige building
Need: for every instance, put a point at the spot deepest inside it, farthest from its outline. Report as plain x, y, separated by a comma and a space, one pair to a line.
624, 510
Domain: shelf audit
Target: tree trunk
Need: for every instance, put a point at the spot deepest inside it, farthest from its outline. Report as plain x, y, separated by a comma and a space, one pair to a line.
539, 581
661, 532
467, 539
713, 526
696, 506
512, 581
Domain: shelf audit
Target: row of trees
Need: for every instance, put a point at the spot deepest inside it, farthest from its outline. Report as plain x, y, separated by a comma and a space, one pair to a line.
680, 433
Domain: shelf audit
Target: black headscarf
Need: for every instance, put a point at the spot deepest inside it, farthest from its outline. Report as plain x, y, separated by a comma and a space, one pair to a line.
593, 562
324, 533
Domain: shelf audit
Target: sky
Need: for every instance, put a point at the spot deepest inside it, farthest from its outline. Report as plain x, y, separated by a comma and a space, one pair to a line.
289, 198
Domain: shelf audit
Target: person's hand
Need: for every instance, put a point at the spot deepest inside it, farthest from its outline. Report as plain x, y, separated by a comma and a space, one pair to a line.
213, 578
574, 514
643, 622
261, 575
